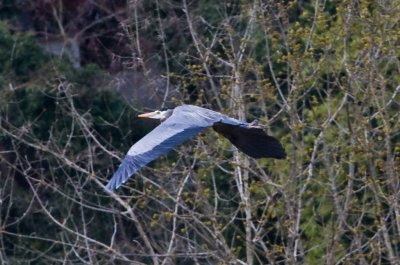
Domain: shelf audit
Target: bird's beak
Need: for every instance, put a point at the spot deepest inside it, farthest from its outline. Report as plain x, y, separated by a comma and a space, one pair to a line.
158, 115
148, 114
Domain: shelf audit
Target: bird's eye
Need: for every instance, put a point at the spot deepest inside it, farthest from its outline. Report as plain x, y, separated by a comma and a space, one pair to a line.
158, 112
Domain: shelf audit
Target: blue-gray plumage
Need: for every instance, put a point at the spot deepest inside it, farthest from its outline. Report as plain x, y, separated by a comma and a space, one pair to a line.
185, 122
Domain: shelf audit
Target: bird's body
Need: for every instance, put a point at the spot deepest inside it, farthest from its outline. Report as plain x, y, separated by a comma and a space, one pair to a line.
184, 122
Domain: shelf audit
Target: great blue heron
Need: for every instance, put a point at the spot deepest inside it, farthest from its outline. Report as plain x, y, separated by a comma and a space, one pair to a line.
184, 122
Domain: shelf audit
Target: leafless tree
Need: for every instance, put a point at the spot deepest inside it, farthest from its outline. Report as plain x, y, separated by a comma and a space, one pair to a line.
323, 78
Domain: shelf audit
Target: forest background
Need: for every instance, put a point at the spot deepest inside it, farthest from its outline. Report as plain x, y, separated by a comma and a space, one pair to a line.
323, 76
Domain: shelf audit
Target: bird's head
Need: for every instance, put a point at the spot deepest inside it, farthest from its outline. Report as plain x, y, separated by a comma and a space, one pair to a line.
158, 114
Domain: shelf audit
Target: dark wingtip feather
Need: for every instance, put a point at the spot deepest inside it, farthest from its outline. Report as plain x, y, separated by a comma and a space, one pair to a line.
267, 146
271, 146
252, 141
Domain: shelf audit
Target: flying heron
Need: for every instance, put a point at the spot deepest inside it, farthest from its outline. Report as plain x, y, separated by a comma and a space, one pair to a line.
184, 122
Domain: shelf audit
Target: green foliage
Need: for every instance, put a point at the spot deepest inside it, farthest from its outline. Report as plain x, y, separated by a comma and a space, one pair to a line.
20, 56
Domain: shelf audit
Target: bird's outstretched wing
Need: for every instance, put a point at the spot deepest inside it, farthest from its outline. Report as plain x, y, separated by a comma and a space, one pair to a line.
252, 141
185, 122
